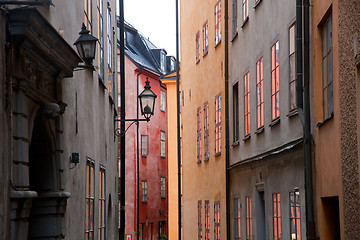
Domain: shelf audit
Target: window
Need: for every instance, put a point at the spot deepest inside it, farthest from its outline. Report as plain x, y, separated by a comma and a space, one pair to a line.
88, 15
199, 220
162, 61
89, 198
162, 100
292, 68
218, 22
236, 112
198, 114
235, 25
246, 104
197, 42
295, 228
144, 145
206, 131
260, 93
109, 38
102, 204
207, 220
162, 228
218, 124
205, 38
275, 101
144, 191
248, 219
141, 233
276, 216
327, 72
237, 226
217, 220
162, 187
245, 7
162, 144
101, 39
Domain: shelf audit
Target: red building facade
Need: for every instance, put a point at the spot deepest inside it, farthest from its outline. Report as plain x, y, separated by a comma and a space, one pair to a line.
146, 151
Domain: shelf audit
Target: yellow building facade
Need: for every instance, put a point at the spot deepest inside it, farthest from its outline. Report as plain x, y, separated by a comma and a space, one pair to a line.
202, 44
173, 194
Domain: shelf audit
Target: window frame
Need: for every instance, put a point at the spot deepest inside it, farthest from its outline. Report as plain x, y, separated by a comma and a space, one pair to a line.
292, 68
198, 138
236, 126
206, 131
143, 147
235, 20
295, 216
90, 199
217, 235
247, 121
260, 93
218, 124
218, 23
249, 223
163, 187
326, 54
275, 81
144, 192
205, 30
237, 218
207, 220
162, 144
100, 8
276, 204
88, 15
245, 10
199, 220
162, 100
197, 47
102, 203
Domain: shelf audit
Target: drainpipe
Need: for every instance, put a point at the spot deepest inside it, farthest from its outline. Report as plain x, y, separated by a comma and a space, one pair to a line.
178, 118
122, 123
137, 156
227, 151
303, 103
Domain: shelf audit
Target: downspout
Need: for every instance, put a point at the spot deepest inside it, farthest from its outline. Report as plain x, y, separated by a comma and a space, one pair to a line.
122, 123
227, 150
137, 156
307, 127
303, 104
178, 118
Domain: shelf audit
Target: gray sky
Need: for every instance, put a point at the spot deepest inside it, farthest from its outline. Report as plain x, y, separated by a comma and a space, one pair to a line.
155, 19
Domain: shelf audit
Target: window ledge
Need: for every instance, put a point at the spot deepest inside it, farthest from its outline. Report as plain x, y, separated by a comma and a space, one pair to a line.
274, 122
245, 21
206, 159
234, 36
247, 137
292, 113
198, 161
236, 143
326, 120
205, 53
197, 61
217, 154
257, 3
101, 82
217, 43
260, 130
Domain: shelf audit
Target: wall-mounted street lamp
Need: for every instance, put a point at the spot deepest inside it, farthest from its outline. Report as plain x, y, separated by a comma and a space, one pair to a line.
86, 46
147, 104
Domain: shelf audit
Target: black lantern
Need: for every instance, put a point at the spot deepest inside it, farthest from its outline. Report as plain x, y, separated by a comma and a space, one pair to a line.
86, 45
147, 101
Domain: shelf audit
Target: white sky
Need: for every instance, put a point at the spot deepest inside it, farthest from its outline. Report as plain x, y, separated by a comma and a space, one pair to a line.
155, 19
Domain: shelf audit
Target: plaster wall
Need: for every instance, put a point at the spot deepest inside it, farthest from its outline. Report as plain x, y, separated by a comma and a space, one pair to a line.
267, 23
201, 82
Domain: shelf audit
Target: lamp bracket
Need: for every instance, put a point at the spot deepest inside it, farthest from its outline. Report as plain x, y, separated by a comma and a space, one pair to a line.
119, 133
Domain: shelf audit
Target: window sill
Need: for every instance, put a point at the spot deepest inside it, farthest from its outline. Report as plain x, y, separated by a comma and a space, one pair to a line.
217, 154
326, 120
234, 36
274, 122
101, 82
197, 61
257, 3
205, 53
236, 143
260, 130
247, 137
293, 113
245, 21
198, 161
206, 159
218, 43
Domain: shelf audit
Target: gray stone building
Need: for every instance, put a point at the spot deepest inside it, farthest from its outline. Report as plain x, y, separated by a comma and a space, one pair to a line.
266, 168
50, 114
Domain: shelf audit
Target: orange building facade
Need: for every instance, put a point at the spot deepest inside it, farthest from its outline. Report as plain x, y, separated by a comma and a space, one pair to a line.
202, 43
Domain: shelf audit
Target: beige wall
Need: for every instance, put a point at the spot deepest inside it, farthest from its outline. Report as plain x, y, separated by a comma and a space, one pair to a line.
201, 82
